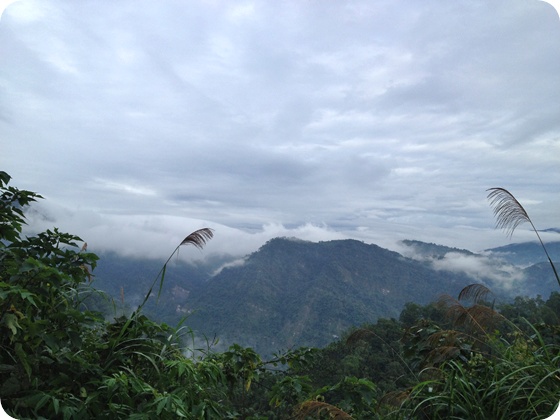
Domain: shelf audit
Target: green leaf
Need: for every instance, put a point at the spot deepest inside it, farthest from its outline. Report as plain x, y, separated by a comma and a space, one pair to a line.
4, 178
75, 338
23, 358
28, 265
51, 342
11, 386
26, 295
56, 405
11, 321
42, 402
161, 405
161, 281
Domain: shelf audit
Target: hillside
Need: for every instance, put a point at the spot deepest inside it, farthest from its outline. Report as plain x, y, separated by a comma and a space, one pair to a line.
527, 253
135, 275
423, 250
296, 293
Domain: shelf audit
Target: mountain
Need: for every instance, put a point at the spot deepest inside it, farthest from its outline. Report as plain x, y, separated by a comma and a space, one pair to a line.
519, 269
540, 280
296, 293
423, 250
527, 253
129, 279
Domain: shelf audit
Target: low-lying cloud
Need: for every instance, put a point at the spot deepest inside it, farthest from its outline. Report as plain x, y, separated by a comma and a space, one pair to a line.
483, 268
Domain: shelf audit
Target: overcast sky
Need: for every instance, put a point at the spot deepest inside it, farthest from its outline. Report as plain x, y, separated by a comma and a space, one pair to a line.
140, 121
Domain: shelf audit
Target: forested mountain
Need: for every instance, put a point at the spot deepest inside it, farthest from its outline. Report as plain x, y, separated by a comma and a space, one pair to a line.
297, 293
527, 253
292, 292
425, 250
539, 280
519, 269
128, 280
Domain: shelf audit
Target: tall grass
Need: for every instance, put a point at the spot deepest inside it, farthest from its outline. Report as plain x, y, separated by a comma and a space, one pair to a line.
522, 382
510, 213
485, 368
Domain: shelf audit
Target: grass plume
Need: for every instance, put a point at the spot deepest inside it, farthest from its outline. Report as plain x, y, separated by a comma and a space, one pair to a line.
198, 239
510, 213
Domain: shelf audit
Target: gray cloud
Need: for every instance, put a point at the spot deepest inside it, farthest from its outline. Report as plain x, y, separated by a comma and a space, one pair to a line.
379, 120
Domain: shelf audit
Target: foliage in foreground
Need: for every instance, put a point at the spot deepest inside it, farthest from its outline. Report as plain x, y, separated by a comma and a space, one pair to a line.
60, 360
460, 358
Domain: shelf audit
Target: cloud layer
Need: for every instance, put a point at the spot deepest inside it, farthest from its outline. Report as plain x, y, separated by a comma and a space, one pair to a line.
377, 120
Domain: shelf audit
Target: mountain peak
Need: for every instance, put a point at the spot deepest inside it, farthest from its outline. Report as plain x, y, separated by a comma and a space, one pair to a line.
293, 292
421, 250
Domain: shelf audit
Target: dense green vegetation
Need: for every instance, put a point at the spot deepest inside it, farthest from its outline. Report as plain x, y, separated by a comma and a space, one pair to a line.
456, 358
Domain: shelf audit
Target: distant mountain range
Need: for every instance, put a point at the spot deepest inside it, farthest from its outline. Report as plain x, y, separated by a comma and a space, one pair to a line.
526, 253
294, 293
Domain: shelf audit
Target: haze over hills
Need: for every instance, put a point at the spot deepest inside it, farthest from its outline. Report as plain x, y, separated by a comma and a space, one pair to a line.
296, 293
527, 253
519, 269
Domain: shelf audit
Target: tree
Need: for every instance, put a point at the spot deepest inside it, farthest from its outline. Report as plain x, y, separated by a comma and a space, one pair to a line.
58, 360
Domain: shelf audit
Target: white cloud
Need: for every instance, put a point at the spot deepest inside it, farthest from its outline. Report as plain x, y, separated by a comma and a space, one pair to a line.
122, 187
380, 120
481, 268
25, 12
235, 263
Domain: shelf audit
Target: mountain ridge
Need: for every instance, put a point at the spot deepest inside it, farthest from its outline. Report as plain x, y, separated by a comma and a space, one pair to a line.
292, 292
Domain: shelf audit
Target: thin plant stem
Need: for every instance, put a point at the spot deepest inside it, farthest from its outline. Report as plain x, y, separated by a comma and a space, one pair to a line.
510, 213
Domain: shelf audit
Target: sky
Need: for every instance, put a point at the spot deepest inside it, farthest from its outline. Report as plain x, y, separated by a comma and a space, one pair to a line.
377, 120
